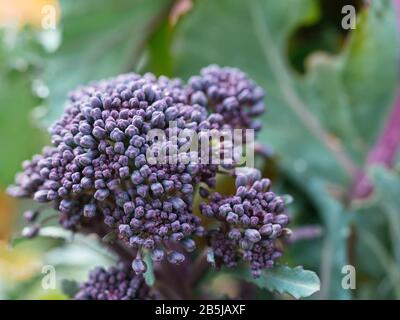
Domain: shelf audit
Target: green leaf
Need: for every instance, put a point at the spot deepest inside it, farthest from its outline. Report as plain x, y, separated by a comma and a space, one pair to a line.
46, 232
99, 39
20, 138
69, 287
74, 239
149, 274
334, 251
382, 255
387, 184
56, 233
297, 282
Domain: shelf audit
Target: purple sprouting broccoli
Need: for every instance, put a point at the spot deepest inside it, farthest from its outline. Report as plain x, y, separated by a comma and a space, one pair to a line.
229, 92
97, 175
252, 224
116, 283
97, 165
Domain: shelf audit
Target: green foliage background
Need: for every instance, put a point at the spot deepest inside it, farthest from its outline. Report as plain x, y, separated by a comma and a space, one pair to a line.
319, 80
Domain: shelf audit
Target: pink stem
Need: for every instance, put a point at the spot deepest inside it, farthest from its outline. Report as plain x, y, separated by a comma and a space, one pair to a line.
385, 150
383, 153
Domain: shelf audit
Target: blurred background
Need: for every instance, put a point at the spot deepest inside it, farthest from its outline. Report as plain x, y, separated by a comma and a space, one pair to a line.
330, 134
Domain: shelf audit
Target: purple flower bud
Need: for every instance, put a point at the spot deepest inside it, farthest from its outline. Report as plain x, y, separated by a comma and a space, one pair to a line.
204, 193
177, 236
101, 194
245, 244
225, 209
171, 113
252, 235
88, 171
281, 219
175, 257
168, 185
189, 245
157, 255
140, 161
199, 98
157, 119
95, 102
52, 195
139, 266
31, 231
245, 220
124, 172
88, 141
129, 207
119, 147
157, 189
125, 230
232, 218
85, 128
117, 135
175, 225
142, 190
113, 184
41, 196
187, 188
266, 230
241, 180
86, 183
276, 231
89, 210
31, 215
131, 131
136, 178
139, 212
234, 234
178, 203
99, 133
145, 171
254, 221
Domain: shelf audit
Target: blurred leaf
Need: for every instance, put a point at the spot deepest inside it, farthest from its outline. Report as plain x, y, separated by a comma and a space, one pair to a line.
99, 39
70, 287
56, 232
19, 137
370, 68
54, 295
88, 241
297, 282
387, 184
17, 264
160, 59
334, 251
383, 257
373, 220
46, 232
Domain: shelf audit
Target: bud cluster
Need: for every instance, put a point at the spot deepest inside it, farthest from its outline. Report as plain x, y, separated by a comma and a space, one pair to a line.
116, 283
97, 171
229, 92
252, 222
